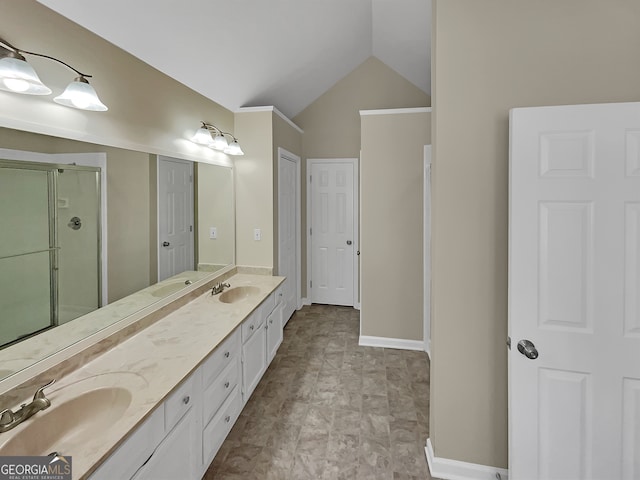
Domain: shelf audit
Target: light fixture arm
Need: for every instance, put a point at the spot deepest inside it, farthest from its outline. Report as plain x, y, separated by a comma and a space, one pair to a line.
216, 130
17, 53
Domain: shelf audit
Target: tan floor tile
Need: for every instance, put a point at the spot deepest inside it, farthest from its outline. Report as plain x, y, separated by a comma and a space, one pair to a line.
328, 408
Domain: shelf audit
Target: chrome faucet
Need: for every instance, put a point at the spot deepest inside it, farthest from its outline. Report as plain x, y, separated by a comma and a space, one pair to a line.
10, 419
219, 288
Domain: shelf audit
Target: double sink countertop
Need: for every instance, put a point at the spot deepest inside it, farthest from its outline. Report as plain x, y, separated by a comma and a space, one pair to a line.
135, 376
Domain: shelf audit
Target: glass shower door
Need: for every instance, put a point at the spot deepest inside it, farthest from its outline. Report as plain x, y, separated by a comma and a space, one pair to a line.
26, 253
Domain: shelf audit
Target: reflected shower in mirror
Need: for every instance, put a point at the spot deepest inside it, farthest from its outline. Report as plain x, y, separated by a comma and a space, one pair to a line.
49, 246
42, 214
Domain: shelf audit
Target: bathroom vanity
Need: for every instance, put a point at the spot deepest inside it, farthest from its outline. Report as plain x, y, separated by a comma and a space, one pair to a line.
160, 404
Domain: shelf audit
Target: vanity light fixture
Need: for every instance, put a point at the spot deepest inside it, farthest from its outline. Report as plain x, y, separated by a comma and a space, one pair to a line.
17, 76
218, 141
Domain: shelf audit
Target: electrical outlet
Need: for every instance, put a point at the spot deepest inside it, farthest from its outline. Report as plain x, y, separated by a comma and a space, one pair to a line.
213, 233
257, 234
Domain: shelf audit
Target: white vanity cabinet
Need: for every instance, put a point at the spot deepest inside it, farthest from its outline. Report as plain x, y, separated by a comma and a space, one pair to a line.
221, 397
151, 452
273, 326
254, 352
176, 456
181, 436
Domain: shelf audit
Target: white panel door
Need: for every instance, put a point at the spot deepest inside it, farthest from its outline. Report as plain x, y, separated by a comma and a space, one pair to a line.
287, 233
332, 233
574, 292
175, 216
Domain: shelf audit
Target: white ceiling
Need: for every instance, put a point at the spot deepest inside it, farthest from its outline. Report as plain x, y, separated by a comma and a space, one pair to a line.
243, 53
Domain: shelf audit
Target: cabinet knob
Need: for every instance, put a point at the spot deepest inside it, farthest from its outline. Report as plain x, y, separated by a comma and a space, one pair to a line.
251, 327
227, 419
186, 399
226, 384
226, 354
271, 322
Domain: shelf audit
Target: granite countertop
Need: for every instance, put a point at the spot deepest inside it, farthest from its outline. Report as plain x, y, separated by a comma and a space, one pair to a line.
150, 365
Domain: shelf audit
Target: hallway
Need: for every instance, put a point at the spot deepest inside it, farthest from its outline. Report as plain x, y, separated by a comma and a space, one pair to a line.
329, 409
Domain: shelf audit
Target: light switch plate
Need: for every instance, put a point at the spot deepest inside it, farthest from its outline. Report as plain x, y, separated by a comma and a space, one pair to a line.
213, 233
257, 234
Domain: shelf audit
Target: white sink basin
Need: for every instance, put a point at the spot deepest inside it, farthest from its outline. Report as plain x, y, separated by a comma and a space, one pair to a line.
238, 294
81, 412
65, 427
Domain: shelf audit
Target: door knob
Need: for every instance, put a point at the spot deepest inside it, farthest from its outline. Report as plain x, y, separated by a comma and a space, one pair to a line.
528, 349
348, 242
165, 244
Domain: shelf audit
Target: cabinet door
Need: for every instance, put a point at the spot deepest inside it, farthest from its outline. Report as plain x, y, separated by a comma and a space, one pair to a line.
274, 332
176, 455
254, 362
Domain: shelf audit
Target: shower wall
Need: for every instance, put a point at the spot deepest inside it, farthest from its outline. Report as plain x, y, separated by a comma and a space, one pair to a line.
78, 258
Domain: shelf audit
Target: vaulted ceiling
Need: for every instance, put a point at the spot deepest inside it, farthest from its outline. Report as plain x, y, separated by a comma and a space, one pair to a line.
284, 53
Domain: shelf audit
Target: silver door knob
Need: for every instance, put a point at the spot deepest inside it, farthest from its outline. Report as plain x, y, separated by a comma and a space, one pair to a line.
528, 349
165, 244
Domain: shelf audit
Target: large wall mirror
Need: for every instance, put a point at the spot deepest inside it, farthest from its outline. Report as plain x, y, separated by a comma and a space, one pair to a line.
81, 250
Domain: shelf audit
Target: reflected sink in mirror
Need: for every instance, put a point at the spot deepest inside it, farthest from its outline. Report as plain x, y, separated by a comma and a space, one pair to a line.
238, 294
62, 428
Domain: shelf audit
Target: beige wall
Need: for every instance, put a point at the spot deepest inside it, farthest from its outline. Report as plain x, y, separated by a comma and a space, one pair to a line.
287, 137
489, 57
331, 123
129, 236
391, 192
254, 188
148, 111
215, 209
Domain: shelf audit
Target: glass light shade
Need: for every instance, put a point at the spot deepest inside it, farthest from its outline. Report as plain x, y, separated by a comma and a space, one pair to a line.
79, 94
18, 76
234, 149
202, 137
219, 142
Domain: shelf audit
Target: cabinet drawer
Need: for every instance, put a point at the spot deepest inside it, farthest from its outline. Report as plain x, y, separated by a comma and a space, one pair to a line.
222, 356
134, 451
219, 390
279, 293
178, 403
219, 427
252, 324
269, 304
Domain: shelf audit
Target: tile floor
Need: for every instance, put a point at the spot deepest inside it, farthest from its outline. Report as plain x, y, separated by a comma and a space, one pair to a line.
329, 409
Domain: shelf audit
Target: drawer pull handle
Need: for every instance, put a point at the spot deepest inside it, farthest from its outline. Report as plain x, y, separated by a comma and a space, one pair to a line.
226, 384
227, 419
186, 400
226, 354
251, 327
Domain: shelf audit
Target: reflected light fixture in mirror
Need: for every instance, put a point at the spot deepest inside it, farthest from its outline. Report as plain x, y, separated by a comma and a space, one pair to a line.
218, 141
17, 76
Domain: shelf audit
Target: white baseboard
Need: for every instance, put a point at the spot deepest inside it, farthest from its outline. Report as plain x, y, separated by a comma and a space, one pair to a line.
398, 343
456, 470
427, 348
357, 306
303, 302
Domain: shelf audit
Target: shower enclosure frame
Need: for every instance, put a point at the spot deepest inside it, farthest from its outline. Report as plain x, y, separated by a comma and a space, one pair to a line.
53, 170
